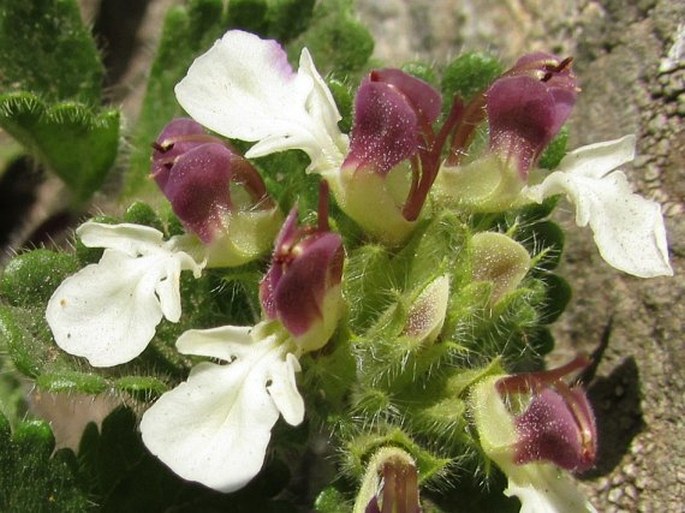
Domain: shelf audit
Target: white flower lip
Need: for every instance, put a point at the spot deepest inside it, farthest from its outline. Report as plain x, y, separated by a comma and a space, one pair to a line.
628, 229
107, 312
215, 427
244, 88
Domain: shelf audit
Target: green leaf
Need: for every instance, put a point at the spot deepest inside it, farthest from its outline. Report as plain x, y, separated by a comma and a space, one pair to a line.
12, 394
48, 51
545, 240
70, 381
142, 213
274, 19
31, 277
76, 142
24, 333
332, 500
249, 15
555, 151
336, 40
468, 74
188, 32
145, 387
558, 293
287, 18
33, 481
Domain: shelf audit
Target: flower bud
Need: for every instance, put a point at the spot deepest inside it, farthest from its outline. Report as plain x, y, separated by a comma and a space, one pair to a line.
499, 260
390, 484
302, 287
426, 316
215, 192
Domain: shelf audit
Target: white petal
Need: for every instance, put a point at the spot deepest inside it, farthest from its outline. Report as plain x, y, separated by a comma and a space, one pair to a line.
215, 427
628, 229
542, 488
283, 390
168, 290
322, 108
223, 343
107, 312
244, 88
596, 160
132, 239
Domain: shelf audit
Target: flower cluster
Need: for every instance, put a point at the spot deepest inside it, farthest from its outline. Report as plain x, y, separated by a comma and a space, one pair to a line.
406, 157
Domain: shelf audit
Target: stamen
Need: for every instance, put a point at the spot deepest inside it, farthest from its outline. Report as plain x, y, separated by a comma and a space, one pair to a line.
558, 68
534, 381
162, 148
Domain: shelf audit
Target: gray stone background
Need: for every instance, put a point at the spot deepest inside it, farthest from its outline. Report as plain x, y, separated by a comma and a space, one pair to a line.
630, 57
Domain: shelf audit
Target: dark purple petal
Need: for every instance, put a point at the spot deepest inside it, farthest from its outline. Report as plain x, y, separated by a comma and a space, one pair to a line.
527, 107
558, 428
284, 241
420, 95
523, 120
172, 142
315, 268
546, 67
372, 507
198, 187
289, 231
385, 130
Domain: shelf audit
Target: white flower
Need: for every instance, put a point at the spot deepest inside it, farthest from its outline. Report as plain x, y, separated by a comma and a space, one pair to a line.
628, 229
244, 88
541, 487
215, 427
108, 312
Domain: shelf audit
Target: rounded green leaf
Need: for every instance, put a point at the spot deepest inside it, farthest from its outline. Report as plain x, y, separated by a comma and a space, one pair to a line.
37, 435
558, 295
142, 213
30, 278
469, 74
70, 381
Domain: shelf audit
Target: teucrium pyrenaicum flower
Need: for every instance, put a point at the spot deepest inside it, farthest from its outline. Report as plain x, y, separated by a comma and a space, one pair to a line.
215, 192
302, 286
215, 427
108, 312
533, 426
